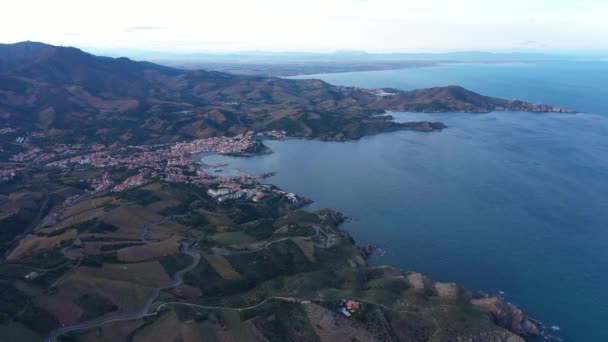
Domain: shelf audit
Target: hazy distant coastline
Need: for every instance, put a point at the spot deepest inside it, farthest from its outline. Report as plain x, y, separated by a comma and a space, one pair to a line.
291, 68
294, 68
305, 63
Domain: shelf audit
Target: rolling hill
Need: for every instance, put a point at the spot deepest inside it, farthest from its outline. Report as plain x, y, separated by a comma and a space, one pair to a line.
80, 96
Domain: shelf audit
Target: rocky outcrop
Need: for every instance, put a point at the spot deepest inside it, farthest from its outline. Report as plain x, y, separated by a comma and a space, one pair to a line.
493, 336
508, 316
330, 326
455, 99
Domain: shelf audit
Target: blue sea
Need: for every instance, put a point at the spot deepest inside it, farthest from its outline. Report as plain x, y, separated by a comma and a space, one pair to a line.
512, 202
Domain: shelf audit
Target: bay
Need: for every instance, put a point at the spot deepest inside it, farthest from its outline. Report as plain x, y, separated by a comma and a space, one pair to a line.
513, 202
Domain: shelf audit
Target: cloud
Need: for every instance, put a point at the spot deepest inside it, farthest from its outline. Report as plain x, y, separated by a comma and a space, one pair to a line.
532, 44
372, 25
528, 42
144, 28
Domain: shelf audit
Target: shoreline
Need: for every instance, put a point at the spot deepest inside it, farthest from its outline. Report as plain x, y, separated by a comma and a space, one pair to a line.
369, 251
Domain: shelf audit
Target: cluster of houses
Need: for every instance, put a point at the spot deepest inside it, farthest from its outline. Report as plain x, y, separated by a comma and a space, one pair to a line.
273, 134
231, 189
154, 156
235, 192
238, 143
348, 307
104, 183
101, 184
130, 182
6, 130
25, 156
8, 173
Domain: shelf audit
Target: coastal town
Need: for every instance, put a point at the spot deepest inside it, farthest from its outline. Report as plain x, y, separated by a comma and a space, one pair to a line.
174, 163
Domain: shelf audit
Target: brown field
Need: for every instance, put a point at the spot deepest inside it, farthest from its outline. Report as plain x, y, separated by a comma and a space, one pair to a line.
166, 328
165, 230
74, 253
85, 205
169, 328
191, 333
20, 200
113, 236
73, 220
150, 274
66, 191
152, 187
150, 251
187, 291
159, 206
15, 196
159, 235
167, 200
91, 250
235, 329
115, 332
223, 267
112, 243
61, 307
130, 220
32, 243
307, 247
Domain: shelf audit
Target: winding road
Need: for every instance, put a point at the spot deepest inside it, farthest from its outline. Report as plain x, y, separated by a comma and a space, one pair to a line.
267, 244
207, 307
175, 281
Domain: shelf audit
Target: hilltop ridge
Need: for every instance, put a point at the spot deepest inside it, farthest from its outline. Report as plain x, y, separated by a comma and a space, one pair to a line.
80, 95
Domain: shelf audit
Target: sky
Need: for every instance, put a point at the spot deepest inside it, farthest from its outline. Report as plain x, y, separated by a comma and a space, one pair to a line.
311, 25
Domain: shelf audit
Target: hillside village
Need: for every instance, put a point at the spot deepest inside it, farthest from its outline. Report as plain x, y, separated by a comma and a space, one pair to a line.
174, 163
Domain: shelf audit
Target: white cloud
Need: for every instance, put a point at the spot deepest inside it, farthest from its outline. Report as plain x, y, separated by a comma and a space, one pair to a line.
374, 25
144, 28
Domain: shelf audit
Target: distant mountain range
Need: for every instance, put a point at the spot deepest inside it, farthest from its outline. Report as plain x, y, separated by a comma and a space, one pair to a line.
80, 96
345, 55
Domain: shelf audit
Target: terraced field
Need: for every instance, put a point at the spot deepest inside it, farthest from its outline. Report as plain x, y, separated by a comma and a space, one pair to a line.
128, 268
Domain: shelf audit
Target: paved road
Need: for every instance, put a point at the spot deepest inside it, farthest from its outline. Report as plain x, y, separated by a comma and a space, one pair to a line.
207, 307
175, 281
267, 244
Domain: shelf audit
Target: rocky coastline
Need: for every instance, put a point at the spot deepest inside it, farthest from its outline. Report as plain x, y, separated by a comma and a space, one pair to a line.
503, 314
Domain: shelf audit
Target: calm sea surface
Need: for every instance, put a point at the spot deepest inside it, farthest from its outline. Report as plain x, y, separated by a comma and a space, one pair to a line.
513, 202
